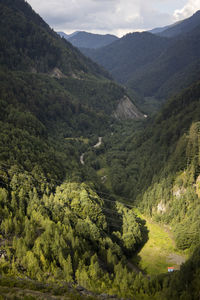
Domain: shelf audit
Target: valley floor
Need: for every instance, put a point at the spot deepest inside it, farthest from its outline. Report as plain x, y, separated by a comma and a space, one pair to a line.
159, 252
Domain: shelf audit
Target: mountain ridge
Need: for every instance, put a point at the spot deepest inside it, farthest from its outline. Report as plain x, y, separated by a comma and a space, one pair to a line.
116, 54
61, 221
83, 39
183, 26
153, 65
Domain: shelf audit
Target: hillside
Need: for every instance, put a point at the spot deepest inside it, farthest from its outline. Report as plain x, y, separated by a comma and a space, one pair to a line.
153, 66
174, 69
71, 231
39, 49
161, 163
123, 57
82, 39
156, 168
54, 226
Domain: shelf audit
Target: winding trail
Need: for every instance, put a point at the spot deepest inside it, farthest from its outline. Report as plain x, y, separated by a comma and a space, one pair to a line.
98, 144
82, 159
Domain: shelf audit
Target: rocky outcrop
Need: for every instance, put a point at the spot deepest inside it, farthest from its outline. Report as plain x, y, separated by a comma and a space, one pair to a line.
198, 186
178, 191
161, 208
127, 110
56, 73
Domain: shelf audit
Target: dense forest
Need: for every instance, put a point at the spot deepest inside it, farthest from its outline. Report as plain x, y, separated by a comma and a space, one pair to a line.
63, 225
161, 161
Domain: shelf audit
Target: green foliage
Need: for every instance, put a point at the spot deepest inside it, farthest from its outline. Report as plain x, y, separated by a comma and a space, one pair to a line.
159, 166
53, 231
39, 48
18, 288
54, 226
65, 236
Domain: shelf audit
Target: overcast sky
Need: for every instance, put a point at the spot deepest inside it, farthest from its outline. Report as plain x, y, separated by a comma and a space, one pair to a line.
112, 16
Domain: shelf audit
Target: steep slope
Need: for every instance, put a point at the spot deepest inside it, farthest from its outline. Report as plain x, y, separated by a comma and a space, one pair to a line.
157, 169
182, 26
123, 57
175, 68
39, 49
48, 90
154, 66
54, 227
161, 166
82, 39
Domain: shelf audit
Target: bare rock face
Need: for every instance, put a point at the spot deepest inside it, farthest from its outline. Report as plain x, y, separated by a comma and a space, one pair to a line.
127, 110
198, 186
161, 208
57, 73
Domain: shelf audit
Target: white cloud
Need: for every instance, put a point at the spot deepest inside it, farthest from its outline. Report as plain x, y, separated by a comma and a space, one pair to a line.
189, 8
106, 16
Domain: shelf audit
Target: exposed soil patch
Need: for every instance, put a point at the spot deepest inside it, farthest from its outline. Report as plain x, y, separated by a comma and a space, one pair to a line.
176, 259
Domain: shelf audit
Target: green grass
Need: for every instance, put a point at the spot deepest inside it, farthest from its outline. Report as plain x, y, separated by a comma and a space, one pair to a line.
154, 258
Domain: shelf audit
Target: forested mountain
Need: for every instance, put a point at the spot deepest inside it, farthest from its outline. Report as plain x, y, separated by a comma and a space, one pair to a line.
123, 57
83, 39
175, 68
153, 65
61, 225
39, 49
159, 167
54, 227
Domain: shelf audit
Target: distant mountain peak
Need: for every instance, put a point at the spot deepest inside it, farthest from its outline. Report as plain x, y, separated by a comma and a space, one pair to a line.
84, 39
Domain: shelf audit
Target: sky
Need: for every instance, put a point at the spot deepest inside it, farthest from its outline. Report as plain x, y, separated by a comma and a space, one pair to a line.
112, 16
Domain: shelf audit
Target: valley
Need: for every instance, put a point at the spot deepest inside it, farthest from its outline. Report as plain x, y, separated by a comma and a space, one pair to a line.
99, 180
159, 251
